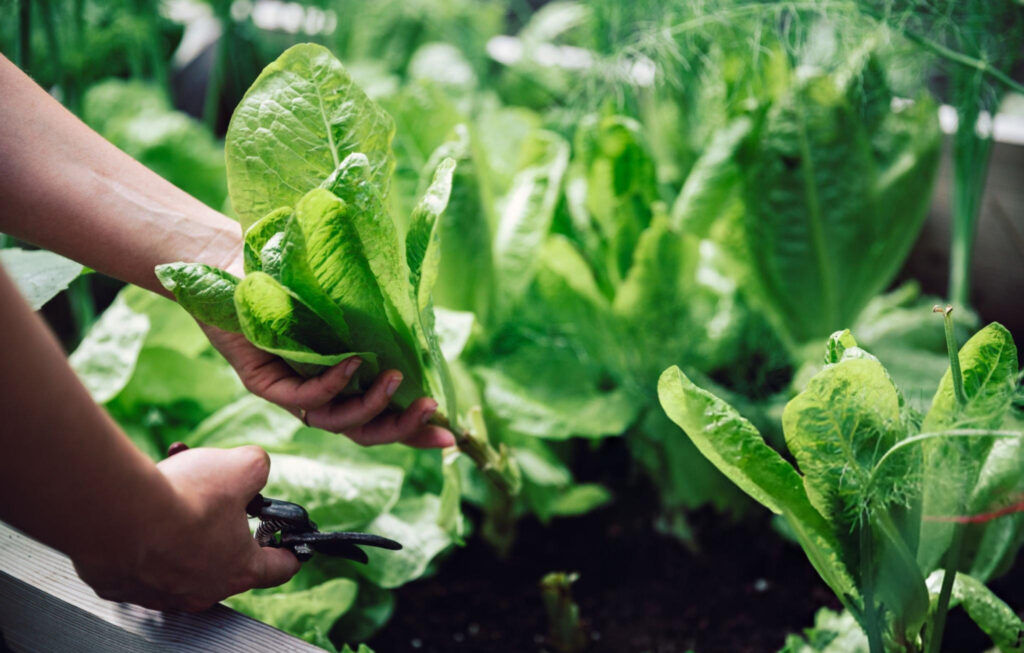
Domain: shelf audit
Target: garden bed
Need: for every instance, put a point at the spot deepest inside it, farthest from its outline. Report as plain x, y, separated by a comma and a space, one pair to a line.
638, 591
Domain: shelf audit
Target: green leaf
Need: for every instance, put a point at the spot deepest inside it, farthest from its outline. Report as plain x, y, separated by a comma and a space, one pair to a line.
423, 253
340, 261
613, 165
106, 357
297, 122
277, 321
686, 480
422, 242
526, 218
544, 393
170, 326
988, 362
713, 182
832, 633
414, 523
454, 329
163, 377
39, 275
895, 581
574, 500
992, 615
250, 420
372, 610
261, 231
204, 291
464, 279
655, 298
837, 429
825, 228
738, 450
378, 239
309, 614
837, 345
730, 442
339, 495
295, 273
565, 301
449, 513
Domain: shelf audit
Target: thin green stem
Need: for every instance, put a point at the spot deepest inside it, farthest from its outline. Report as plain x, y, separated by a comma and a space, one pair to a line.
950, 54
942, 608
954, 355
952, 433
971, 152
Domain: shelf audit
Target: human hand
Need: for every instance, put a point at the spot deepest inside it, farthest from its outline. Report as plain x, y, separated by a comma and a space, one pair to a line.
200, 551
315, 400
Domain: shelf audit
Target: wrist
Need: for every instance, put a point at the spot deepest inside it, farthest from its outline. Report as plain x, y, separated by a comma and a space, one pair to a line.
121, 541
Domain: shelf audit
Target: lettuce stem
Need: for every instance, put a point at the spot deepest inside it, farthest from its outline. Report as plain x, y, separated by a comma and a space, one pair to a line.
492, 463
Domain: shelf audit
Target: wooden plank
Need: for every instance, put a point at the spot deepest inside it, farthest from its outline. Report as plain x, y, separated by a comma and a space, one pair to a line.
45, 607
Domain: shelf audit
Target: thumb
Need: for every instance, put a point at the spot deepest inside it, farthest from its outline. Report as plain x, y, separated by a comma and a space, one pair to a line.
274, 566
248, 467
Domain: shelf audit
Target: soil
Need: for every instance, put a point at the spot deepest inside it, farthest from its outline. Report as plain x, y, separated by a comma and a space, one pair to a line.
638, 591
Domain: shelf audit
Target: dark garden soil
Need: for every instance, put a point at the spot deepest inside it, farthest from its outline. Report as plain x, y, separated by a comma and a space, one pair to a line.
638, 591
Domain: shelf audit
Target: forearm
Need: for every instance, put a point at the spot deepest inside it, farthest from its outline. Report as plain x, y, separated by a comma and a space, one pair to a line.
68, 476
65, 188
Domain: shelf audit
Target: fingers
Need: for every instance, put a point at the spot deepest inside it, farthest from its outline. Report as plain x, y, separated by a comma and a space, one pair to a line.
247, 470
394, 427
361, 418
431, 437
273, 567
275, 381
357, 411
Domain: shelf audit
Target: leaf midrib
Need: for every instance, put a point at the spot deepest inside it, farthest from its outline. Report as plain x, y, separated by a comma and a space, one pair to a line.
330, 133
814, 222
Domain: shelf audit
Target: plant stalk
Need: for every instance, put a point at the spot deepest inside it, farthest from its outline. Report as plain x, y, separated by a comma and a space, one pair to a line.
946, 591
971, 153
954, 355
492, 463
956, 547
565, 629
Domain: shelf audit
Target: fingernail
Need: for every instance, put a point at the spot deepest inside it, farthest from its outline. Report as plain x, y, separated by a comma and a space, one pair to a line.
352, 365
176, 448
428, 413
393, 385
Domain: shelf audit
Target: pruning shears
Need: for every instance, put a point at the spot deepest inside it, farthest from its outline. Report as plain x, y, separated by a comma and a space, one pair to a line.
298, 533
